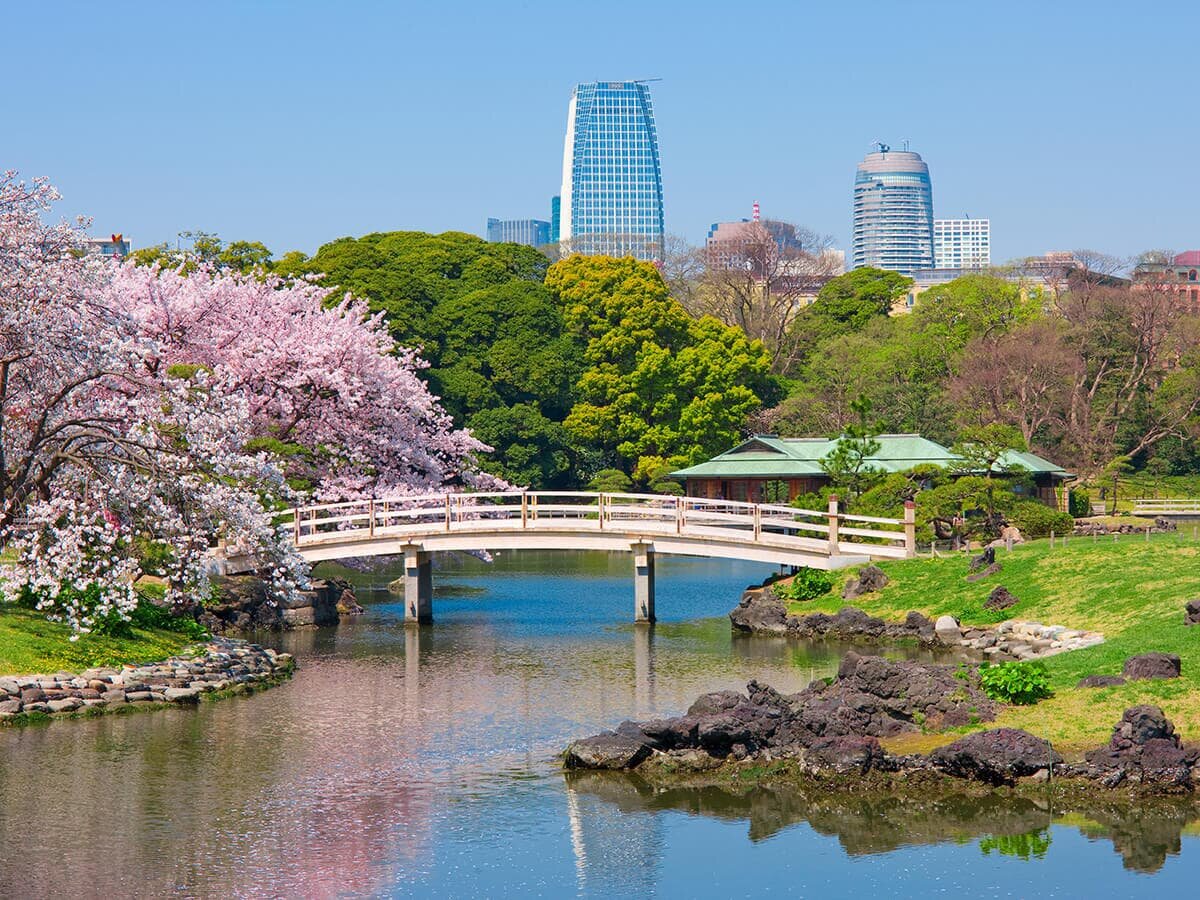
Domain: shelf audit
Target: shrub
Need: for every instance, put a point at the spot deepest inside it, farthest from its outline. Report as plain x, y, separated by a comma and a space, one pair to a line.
1079, 503
1036, 519
611, 481
807, 584
149, 615
1021, 683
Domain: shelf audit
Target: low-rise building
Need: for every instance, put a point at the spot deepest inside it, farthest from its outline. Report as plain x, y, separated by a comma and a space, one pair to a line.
114, 246
770, 469
531, 232
1179, 274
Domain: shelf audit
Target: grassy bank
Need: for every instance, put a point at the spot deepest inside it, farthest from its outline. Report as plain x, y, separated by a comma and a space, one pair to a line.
31, 645
1130, 590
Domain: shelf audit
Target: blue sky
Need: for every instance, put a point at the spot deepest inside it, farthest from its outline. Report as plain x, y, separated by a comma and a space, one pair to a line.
1068, 124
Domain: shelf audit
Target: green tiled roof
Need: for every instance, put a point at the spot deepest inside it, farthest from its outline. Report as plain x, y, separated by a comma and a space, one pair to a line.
764, 456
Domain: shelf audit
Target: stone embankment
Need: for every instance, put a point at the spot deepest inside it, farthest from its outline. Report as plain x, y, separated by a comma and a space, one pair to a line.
834, 729
222, 665
1089, 527
762, 613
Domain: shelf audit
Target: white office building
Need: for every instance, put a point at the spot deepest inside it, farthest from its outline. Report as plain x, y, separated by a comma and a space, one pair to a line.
962, 243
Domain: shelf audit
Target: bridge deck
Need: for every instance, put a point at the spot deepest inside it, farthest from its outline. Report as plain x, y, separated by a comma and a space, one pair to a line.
560, 520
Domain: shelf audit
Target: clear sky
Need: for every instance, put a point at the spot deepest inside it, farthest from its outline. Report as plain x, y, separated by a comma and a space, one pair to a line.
1069, 124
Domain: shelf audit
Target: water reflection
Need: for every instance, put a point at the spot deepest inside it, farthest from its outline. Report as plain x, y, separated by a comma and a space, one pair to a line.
1144, 833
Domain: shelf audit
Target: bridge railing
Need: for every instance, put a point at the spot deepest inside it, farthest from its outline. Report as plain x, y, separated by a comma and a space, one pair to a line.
1147, 507
828, 531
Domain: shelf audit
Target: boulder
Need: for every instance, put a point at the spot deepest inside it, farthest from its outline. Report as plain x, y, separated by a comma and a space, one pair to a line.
1000, 598
1191, 612
608, 750
984, 560
1151, 665
947, 630
760, 611
1144, 748
1095, 681
868, 580
998, 756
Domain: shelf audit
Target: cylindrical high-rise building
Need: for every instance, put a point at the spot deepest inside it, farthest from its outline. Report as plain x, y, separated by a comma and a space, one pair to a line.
612, 199
893, 212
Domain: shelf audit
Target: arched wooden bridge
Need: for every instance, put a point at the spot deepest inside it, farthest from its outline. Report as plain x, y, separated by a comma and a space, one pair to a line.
644, 524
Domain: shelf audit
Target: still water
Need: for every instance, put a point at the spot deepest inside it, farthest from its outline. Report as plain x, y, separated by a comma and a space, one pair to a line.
422, 763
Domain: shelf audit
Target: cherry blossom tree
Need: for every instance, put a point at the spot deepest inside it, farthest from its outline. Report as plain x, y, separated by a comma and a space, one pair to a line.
334, 399
103, 451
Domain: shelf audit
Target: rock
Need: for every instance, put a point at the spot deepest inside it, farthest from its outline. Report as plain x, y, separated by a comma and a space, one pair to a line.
846, 754
1095, 681
1151, 665
116, 695
991, 570
10, 686
1000, 598
69, 704
1144, 748
1191, 613
947, 630
984, 560
10, 707
998, 756
868, 580
608, 750
760, 611
181, 695
32, 695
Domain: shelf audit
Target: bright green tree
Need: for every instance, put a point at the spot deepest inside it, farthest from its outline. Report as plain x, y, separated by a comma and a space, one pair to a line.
657, 382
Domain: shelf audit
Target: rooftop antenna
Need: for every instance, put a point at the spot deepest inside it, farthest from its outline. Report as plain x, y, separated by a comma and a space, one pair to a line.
754, 214
906, 145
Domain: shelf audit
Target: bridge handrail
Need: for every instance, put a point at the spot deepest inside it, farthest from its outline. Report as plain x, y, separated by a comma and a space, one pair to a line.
1166, 504
417, 514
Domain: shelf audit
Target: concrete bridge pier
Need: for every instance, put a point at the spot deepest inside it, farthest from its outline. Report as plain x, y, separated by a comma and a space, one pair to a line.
418, 587
643, 582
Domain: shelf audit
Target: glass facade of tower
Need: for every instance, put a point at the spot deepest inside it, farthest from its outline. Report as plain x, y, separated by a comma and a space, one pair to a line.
612, 200
893, 212
555, 218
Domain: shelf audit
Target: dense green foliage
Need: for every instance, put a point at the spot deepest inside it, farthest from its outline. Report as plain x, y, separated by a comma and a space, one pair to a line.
659, 387
806, 584
1015, 682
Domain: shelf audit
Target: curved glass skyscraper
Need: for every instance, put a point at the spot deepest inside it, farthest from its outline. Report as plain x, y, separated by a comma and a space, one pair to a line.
893, 212
612, 199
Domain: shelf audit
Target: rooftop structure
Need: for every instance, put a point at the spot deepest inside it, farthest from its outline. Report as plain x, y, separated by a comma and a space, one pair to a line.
770, 469
114, 246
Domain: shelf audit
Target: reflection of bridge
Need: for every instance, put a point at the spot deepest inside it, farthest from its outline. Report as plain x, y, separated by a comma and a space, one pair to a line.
1184, 509
645, 524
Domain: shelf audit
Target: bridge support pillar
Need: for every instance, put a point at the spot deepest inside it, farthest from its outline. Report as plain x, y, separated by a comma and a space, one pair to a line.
643, 582
418, 587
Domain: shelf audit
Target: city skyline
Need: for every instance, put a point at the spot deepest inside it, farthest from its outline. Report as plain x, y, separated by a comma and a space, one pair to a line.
462, 142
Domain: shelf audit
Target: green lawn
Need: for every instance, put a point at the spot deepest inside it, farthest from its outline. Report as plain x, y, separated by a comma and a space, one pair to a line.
1130, 590
31, 645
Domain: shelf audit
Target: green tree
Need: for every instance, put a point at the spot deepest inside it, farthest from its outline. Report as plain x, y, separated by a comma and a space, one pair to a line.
848, 463
657, 382
982, 449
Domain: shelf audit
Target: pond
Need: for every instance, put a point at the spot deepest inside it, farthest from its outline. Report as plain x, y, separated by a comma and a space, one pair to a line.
422, 762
